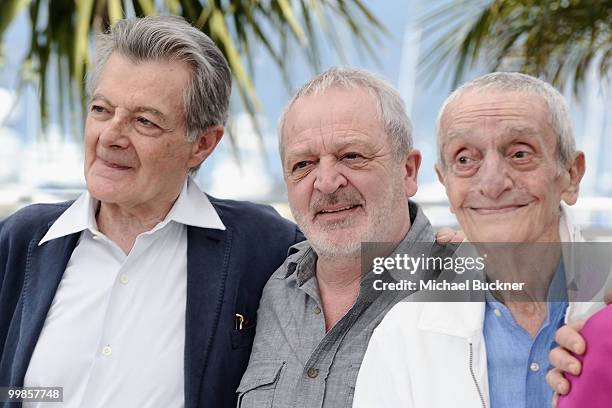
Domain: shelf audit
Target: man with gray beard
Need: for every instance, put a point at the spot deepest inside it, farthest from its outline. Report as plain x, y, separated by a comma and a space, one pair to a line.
349, 166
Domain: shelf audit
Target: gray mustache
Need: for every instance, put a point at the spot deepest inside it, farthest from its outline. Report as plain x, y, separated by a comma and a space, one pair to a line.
347, 198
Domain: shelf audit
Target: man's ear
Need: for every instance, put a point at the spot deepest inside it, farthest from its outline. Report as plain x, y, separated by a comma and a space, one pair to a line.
440, 174
575, 171
412, 162
204, 146
442, 179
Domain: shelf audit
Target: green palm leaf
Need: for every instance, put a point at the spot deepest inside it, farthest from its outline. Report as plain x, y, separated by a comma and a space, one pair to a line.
64, 29
555, 40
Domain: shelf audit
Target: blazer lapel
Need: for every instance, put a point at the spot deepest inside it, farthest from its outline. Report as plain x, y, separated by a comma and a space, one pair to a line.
207, 267
45, 266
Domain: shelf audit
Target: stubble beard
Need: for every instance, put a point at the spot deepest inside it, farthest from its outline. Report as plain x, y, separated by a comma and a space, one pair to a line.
324, 239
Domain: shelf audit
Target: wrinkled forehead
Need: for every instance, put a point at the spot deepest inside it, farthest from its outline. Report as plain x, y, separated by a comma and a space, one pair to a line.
333, 109
495, 113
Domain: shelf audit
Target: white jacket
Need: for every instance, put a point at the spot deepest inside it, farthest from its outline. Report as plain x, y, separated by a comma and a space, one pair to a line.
432, 354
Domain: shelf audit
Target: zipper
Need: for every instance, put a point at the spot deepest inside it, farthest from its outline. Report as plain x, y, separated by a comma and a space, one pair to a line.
482, 399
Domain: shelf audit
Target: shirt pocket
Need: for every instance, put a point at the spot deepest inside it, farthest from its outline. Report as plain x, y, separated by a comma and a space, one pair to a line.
242, 338
258, 384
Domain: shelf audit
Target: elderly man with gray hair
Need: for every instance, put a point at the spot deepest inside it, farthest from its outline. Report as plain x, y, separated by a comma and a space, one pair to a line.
143, 292
349, 166
507, 160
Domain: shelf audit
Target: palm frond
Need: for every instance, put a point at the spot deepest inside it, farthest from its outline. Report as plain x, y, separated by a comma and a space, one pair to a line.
239, 27
555, 40
10, 9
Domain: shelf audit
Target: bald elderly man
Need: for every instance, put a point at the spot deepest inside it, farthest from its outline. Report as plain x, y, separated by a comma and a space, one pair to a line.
509, 166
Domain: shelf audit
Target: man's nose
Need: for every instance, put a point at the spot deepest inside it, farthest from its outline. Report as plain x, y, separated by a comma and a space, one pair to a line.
494, 178
115, 134
329, 179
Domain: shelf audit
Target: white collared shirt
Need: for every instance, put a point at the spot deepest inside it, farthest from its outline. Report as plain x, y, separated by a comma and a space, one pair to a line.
115, 333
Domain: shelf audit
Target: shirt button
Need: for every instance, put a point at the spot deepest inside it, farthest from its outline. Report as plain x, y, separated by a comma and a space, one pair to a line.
497, 312
312, 372
107, 351
124, 279
317, 310
535, 367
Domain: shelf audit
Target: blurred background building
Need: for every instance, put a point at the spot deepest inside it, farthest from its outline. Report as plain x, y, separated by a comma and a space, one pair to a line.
42, 162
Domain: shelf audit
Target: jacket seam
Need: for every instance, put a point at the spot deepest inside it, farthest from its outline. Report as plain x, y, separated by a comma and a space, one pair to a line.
219, 303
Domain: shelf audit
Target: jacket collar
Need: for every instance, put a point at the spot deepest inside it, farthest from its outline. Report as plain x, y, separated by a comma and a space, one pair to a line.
580, 309
45, 266
461, 319
208, 255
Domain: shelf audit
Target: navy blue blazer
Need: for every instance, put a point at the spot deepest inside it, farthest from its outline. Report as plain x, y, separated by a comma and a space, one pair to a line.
226, 273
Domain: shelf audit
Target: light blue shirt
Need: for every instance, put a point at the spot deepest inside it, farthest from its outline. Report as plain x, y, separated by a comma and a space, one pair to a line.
517, 363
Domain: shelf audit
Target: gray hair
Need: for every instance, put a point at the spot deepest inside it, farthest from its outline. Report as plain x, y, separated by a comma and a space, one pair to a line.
560, 120
206, 96
391, 109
